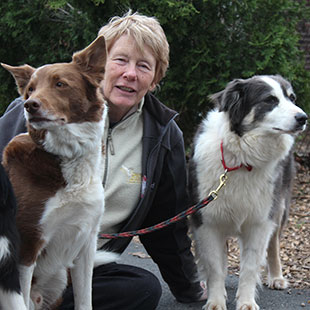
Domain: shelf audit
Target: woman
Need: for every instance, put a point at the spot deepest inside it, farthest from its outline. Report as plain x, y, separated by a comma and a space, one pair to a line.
145, 176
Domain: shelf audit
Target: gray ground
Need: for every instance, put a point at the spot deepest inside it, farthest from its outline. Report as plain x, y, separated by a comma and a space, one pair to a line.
291, 299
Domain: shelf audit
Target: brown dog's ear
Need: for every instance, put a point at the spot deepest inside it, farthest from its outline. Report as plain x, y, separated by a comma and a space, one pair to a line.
92, 59
21, 74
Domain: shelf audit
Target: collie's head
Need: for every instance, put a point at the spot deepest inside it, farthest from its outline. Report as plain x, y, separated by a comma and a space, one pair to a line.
262, 102
63, 93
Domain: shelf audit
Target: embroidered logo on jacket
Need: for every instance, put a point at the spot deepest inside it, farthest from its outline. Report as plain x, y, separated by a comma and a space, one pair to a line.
133, 177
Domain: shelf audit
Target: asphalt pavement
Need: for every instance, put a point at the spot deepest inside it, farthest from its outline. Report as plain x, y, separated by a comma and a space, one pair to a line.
289, 299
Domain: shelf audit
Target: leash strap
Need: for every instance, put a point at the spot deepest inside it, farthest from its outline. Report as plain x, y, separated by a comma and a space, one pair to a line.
163, 224
212, 196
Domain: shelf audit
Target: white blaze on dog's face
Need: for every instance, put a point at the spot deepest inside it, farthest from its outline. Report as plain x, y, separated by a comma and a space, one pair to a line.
264, 103
63, 93
285, 117
54, 96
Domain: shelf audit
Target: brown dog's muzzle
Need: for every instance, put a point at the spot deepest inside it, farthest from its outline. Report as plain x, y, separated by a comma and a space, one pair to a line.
32, 105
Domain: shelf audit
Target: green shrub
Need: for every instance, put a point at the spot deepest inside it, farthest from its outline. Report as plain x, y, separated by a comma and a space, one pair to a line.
211, 42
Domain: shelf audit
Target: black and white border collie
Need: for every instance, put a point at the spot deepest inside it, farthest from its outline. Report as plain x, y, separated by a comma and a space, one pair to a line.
249, 135
10, 291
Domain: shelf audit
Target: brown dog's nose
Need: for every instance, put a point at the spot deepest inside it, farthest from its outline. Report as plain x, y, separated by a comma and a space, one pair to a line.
32, 105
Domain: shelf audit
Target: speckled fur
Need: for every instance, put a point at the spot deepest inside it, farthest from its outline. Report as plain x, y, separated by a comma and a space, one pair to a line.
256, 120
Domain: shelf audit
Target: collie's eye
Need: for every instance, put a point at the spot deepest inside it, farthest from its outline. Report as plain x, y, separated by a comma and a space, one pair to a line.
292, 97
30, 89
272, 100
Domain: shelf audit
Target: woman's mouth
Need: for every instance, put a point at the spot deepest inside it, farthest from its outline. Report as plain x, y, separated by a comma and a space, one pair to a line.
126, 89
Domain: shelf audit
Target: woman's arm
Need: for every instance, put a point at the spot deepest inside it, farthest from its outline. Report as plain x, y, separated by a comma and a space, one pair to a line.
12, 123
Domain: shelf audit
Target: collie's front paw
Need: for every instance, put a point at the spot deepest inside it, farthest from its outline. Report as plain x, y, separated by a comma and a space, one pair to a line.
36, 300
215, 305
247, 305
278, 283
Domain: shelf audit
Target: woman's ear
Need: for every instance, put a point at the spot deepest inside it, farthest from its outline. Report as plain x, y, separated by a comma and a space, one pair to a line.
152, 86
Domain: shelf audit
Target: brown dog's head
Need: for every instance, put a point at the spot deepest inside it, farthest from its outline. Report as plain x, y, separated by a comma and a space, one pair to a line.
62, 93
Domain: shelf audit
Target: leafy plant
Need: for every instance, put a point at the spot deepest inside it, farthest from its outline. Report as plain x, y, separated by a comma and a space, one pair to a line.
211, 43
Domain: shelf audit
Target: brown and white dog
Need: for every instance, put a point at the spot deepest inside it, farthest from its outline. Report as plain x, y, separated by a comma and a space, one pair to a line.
56, 173
250, 134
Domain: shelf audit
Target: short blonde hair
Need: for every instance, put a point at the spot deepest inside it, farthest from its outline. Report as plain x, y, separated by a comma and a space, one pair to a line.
145, 31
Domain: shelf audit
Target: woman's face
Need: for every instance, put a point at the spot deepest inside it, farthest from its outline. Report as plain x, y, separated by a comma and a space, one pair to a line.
129, 75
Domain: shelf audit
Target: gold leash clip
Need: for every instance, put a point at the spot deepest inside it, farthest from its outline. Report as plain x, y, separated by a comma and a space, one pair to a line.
223, 179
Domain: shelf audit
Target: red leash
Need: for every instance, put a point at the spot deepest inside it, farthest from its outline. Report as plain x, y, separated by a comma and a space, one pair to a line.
161, 225
183, 214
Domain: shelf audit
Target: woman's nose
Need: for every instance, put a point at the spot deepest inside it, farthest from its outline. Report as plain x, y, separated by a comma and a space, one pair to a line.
131, 72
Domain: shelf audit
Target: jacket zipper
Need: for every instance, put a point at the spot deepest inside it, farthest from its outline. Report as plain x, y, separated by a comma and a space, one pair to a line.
110, 142
110, 146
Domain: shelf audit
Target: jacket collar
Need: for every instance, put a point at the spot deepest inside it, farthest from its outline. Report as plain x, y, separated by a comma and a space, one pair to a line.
159, 111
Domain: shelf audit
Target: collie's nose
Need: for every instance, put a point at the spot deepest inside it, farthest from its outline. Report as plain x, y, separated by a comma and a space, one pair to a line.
32, 105
301, 118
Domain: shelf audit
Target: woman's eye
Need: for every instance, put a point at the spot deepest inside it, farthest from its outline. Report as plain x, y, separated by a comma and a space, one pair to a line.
120, 60
145, 66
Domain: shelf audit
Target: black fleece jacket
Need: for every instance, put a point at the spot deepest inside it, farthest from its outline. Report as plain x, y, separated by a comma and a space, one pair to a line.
165, 195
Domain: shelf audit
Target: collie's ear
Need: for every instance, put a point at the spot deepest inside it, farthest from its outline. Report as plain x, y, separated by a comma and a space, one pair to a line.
92, 59
216, 98
232, 100
21, 74
230, 96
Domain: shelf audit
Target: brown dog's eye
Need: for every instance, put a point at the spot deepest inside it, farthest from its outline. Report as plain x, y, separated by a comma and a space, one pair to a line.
60, 84
30, 89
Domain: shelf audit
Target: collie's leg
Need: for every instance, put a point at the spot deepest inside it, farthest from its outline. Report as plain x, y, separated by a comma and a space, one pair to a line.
253, 245
275, 277
50, 284
11, 296
81, 275
11, 300
26, 273
212, 249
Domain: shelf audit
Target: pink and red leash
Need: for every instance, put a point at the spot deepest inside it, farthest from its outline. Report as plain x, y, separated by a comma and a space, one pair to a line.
161, 225
212, 196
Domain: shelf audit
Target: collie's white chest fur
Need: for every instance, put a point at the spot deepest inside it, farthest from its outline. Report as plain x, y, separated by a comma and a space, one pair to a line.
75, 211
247, 195
73, 216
